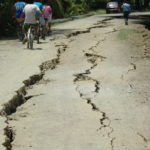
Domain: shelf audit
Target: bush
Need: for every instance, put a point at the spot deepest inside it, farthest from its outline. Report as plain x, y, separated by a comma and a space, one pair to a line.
75, 9
7, 24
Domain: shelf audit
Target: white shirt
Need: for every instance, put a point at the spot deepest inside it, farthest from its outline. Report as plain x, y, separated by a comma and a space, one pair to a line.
30, 10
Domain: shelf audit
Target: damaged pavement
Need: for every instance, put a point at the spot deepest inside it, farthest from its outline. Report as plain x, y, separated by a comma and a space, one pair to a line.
82, 90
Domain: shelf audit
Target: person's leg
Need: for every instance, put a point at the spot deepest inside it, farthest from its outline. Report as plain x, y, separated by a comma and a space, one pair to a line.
46, 26
49, 27
36, 30
49, 22
20, 28
25, 29
42, 22
126, 18
43, 31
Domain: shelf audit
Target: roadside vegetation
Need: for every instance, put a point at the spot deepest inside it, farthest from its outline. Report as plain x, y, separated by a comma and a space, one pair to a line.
98, 12
61, 9
125, 33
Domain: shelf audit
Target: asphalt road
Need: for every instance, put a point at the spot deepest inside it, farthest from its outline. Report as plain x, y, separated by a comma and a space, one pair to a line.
79, 89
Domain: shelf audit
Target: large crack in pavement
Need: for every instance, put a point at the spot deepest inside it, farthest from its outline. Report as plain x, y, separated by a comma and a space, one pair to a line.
88, 30
8, 131
20, 98
105, 121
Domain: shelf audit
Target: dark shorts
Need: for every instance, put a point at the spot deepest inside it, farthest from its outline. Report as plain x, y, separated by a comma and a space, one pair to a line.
46, 19
26, 26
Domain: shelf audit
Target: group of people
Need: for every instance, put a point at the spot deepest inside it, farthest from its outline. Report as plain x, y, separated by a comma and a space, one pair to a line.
30, 13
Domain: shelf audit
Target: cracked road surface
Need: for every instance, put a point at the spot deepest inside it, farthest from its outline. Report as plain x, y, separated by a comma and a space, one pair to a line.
89, 93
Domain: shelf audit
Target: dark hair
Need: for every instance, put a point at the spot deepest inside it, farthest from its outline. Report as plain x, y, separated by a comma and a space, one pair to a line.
126, 1
45, 1
29, 1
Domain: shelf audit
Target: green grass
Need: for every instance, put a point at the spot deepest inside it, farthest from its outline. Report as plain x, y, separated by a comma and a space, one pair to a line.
125, 33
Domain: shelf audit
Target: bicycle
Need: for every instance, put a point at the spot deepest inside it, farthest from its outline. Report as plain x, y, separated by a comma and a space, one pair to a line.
30, 37
19, 24
19, 32
39, 32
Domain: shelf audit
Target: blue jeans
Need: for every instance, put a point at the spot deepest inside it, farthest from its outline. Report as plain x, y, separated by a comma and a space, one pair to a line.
126, 16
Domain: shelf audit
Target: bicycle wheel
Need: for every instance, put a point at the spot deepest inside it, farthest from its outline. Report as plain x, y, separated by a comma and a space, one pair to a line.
28, 38
31, 45
31, 40
28, 44
19, 36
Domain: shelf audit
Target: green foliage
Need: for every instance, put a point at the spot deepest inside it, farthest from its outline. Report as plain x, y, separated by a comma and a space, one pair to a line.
75, 7
7, 25
61, 8
58, 8
98, 12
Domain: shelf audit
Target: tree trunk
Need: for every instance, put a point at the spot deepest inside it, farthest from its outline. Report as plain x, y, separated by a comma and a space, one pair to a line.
57, 6
146, 3
138, 4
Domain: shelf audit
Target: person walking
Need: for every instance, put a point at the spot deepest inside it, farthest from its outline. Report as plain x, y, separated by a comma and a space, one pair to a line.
126, 11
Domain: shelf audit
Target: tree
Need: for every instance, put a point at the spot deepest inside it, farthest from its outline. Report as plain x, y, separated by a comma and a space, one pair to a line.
146, 3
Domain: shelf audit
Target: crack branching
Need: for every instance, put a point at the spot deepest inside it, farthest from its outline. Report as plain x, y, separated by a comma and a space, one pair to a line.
92, 58
94, 107
20, 98
143, 137
112, 143
100, 24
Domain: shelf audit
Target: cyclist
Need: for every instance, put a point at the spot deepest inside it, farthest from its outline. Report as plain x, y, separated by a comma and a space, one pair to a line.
40, 17
30, 19
17, 13
47, 15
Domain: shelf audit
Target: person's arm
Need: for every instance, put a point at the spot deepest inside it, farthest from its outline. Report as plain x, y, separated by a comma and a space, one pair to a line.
38, 10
